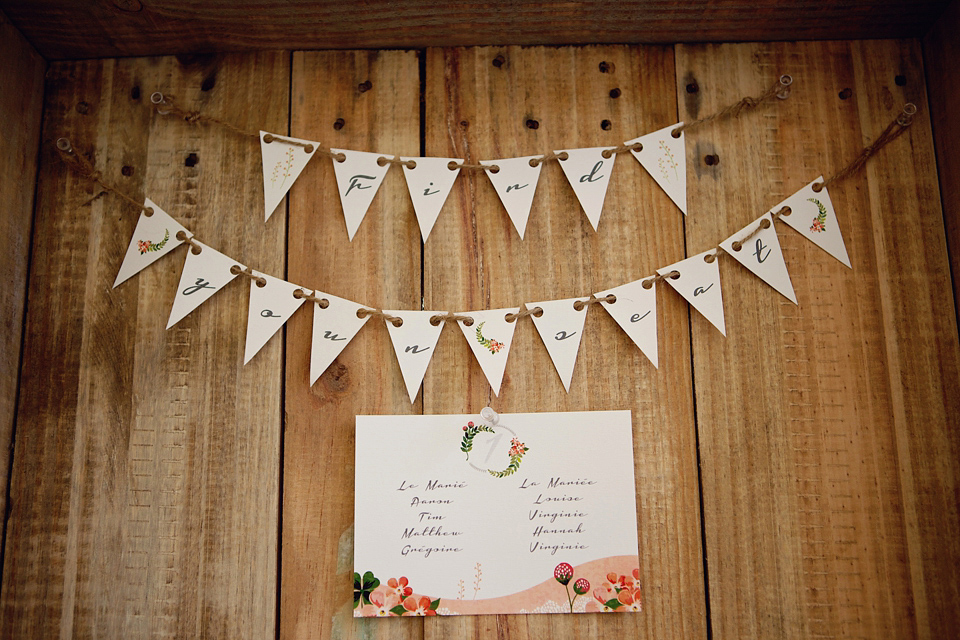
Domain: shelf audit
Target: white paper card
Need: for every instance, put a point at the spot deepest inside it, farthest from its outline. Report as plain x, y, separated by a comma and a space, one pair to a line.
664, 157
358, 178
282, 164
515, 183
414, 342
270, 307
636, 312
589, 174
454, 516
333, 329
203, 275
154, 237
429, 184
813, 215
762, 255
490, 337
699, 284
561, 328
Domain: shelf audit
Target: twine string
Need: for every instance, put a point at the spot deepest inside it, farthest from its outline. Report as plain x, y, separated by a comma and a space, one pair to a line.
194, 245
450, 316
83, 167
394, 320
550, 155
465, 166
780, 89
165, 105
580, 304
300, 294
247, 272
513, 317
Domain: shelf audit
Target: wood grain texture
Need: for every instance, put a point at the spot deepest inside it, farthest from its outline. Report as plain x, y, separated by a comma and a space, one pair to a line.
381, 267
144, 495
475, 259
21, 108
64, 29
829, 477
941, 50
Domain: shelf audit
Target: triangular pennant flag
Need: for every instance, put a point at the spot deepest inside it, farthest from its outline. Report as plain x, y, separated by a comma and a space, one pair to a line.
635, 310
762, 255
429, 183
490, 337
699, 283
203, 275
282, 164
414, 341
589, 174
333, 328
516, 182
154, 237
358, 178
270, 307
664, 157
812, 214
561, 327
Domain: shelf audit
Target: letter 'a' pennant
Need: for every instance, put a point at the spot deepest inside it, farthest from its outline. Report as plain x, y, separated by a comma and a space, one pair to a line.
665, 159
699, 284
561, 327
282, 165
414, 341
359, 176
154, 237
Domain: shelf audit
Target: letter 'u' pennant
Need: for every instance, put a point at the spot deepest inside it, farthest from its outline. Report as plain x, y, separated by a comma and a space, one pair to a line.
333, 329
414, 341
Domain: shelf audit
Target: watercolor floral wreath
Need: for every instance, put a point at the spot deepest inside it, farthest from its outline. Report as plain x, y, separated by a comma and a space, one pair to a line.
618, 593
149, 245
516, 453
396, 598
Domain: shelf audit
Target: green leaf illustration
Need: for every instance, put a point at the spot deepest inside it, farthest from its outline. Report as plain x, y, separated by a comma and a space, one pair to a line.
434, 604
466, 445
398, 610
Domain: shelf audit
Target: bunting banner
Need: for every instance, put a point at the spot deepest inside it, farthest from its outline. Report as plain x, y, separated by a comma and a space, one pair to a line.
635, 310
156, 235
664, 157
762, 254
284, 158
515, 181
490, 337
697, 279
812, 216
204, 273
414, 339
334, 326
272, 302
561, 328
359, 176
429, 181
588, 172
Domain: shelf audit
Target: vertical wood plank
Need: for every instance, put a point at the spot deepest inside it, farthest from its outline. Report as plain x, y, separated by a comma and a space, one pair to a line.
144, 494
380, 267
474, 259
21, 108
810, 505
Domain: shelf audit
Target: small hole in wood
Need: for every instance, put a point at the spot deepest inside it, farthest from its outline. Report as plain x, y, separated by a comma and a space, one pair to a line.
83, 108
338, 124
126, 170
533, 124
191, 160
901, 80
711, 159
606, 67
208, 82
135, 93
499, 61
614, 93
606, 125
693, 87
846, 93
365, 86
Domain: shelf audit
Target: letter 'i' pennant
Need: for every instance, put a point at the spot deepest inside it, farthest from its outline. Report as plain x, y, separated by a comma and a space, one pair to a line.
154, 237
699, 284
429, 183
414, 341
358, 178
334, 326
561, 328
490, 337
282, 165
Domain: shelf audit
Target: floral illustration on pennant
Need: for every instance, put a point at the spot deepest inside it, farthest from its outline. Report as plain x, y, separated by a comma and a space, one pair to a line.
667, 161
396, 598
819, 223
282, 166
563, 574
146, 245
618, 593
489, 343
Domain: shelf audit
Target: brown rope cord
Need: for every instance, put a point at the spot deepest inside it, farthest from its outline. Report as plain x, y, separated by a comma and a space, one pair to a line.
623, 148
83, 167
450, 316
166, 106
781, 89
472, 167
394, 320
895, 129
300, 294
580, 304
736, 245
384, 160
512, 317
658, 277
247, 272
550, 155
269, 138
194, 245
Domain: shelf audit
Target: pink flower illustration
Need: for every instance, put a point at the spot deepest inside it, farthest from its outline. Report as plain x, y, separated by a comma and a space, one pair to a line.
601, 596
382, 601
399, 587
630, 599
419, 607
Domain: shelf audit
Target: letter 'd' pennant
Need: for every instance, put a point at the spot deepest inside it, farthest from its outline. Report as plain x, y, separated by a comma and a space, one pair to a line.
270, 307
589, 174
282, 165
414, 341
358, 178
333, 329
154, 237
664, 157
561, 328
516, 182
699, 284
490, 337
203, 275
762, 255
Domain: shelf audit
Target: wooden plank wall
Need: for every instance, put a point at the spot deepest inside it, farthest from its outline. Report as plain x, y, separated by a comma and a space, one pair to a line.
21, 105
813, 439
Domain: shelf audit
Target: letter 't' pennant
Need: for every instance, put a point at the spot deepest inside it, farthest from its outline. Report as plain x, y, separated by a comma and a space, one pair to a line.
589, 174
414, 341
762, 255
664, 157
515, 183
203, 275
282, 164
334, 326
490, 337
270, 307
561, 327
359, 176
154, 237
699, 284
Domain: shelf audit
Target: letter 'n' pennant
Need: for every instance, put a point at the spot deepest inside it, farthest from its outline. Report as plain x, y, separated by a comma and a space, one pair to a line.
813, 216
490, 337
271, 305
334, 326
203, 275
699, 284
635, 310
154, 237
664, 157
589, 174
414, 341
282, 164
516, 182
561, 327
359, 176
762, 255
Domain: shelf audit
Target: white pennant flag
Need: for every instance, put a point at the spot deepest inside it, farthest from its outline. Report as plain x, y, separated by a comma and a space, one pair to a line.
561, 328
762, 255
203, 275
414, 342
490, 337
154, 237
516, 182
589, 174
665, 159
282, 164
699, 283
429, 183
333, 329
812, 214
635, 310
270, 307
358, 178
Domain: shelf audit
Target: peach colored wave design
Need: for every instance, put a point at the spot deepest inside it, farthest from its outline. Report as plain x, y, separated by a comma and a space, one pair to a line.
550, 596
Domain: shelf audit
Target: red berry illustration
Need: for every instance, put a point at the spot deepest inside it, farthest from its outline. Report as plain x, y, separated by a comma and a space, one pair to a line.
581, 586
563, 573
